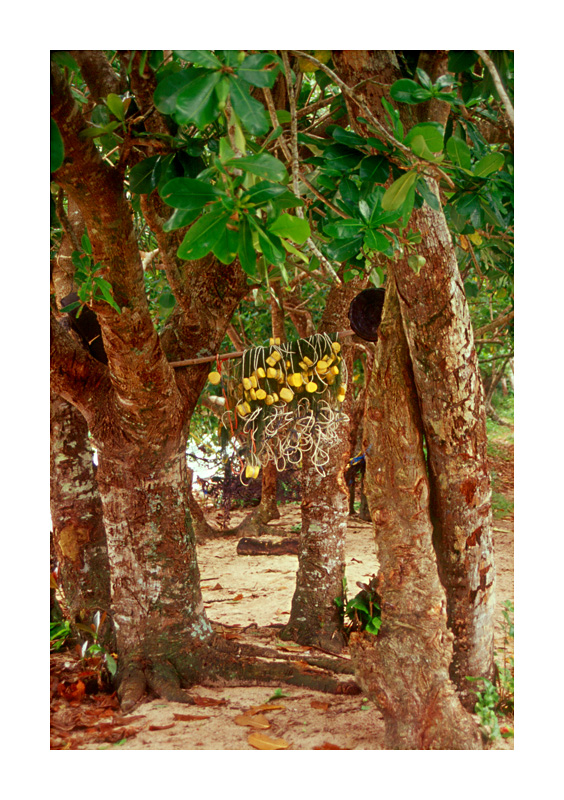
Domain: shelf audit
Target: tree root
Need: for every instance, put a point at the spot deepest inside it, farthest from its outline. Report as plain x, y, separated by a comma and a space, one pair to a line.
330, 641
225, 663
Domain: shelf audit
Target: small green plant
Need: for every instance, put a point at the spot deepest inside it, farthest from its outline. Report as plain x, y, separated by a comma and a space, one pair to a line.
278, 693
296, 528
494, 701
95, 654
60, 632
363, 610
90, 285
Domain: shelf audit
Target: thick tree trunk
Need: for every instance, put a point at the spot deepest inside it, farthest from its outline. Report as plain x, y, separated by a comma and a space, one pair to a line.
315, 618
445, 365
79, 536
405, 669
157, 604
439, 332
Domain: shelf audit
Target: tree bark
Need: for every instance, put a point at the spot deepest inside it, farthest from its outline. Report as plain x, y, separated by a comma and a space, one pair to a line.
315, 618
79, 535
439, 332
445, 365
405, 669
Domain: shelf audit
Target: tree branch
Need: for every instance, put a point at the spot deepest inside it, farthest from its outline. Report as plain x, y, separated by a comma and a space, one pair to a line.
498, 85
75, 375
494, 324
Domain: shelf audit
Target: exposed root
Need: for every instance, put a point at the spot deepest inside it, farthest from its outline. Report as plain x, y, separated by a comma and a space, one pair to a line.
330, 641
227, 663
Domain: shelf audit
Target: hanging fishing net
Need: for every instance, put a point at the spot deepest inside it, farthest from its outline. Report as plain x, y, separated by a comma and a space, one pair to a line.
285, 400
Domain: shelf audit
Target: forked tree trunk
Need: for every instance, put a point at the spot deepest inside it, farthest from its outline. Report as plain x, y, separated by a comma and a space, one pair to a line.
315, 618
79, 536
445, 365
405, 669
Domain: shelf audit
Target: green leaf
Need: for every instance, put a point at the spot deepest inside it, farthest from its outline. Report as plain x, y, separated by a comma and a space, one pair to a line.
283, 116
142, 177
396, 194
204, 234
205, 58
166, 93
428, 195
342, 158
374, 169
245, 249
270, 244
259, 69
407, 91
263, 191
348, 138
290, 227
344, 229
181, 218
86, 245
420, 148
115, 104
343, 250
264, 165
251, 113
291, 249
376, 240
167, 300
424, 79
488, 165
57, 147
459, 152
432, 133
106, 289
198, 102
461, 60
189, 193
226, 247
111, 664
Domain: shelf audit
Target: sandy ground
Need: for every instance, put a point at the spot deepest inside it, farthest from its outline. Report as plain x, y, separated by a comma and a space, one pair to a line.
245, 596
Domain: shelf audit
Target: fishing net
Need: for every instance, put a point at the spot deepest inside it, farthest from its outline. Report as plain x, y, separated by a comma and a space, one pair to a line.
285, 400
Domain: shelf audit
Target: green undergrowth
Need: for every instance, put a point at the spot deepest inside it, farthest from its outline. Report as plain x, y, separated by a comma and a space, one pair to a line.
495, 701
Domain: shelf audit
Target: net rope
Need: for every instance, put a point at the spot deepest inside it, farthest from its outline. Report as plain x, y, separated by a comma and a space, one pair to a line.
285, 400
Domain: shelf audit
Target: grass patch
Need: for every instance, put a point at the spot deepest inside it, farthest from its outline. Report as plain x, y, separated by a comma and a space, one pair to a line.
501, 506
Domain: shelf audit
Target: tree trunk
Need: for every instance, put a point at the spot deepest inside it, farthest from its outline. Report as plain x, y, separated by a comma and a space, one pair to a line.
439, 333
405, 669
79, 536
157, 603
445, 365
315, 618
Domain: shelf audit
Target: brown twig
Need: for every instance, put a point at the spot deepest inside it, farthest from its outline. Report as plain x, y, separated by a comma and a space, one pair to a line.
225, 356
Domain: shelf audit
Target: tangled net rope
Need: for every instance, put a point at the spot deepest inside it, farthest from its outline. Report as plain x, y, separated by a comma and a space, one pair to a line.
286, 401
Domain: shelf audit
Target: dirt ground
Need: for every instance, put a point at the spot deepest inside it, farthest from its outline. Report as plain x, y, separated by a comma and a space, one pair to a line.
246, 597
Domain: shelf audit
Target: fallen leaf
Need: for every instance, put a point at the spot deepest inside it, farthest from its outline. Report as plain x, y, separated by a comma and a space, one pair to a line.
320, 705
208, 701
257, 721
263, 707
292, 648
215, 588
189, 717
71, 691
238, 597
329, 746
263, 742
161, 727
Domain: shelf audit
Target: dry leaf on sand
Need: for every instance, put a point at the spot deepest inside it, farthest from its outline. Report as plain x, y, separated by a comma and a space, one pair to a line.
263, 742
